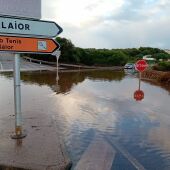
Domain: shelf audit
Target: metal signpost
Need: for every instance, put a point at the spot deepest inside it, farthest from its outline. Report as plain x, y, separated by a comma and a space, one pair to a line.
17, 100
24, 35
57, 53
140, 66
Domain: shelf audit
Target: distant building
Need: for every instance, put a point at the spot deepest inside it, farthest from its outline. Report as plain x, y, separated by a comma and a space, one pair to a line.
150, 60
167, 50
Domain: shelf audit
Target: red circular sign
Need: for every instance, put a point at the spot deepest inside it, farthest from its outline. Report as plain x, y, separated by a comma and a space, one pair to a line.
141, 65
138, 95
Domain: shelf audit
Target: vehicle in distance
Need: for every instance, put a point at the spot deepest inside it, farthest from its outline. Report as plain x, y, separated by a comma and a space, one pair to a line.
129, 66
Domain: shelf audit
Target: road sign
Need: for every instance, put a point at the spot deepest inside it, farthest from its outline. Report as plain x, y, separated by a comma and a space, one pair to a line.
141, 65
28, 27
138, 95
28, 45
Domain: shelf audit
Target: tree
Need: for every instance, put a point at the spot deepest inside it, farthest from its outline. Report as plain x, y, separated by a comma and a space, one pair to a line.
118, 58
67, 50
162, 56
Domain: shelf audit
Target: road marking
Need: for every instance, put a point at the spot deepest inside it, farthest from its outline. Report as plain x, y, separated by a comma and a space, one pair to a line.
98, 156
1, 66
126, 154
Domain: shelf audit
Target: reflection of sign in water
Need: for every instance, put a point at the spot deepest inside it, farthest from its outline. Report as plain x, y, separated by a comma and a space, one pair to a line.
42, 45
138, 95
141, 65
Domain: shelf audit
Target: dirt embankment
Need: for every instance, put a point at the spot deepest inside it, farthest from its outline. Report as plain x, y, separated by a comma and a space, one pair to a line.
158, 76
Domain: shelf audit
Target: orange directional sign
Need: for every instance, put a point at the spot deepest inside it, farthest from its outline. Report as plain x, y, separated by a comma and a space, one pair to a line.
27, 45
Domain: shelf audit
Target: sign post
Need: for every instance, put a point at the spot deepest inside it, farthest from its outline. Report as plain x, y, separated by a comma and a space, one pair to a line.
140, 66
57, 57
139, 79
17, 98
29, 35
57, 53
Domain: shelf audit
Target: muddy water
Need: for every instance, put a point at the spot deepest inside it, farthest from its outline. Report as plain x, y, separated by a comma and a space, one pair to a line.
99, 105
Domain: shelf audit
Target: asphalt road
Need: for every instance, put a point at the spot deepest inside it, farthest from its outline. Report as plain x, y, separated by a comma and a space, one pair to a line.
7, 64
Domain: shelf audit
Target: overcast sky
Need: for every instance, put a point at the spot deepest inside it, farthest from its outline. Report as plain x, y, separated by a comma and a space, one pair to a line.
111, 23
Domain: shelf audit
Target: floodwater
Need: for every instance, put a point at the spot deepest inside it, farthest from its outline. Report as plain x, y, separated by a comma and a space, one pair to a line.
100, 105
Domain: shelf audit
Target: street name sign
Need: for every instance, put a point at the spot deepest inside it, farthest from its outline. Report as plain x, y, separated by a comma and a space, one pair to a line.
141, 65
28, 27
28, 45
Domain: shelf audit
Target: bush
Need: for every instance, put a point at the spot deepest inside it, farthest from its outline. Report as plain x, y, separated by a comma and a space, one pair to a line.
162, 66
165, 78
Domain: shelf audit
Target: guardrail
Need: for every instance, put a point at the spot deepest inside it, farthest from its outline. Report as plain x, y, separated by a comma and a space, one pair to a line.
60, 64
72, 65
39, 61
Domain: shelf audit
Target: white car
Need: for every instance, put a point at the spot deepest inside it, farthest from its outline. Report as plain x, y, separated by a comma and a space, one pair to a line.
129, 66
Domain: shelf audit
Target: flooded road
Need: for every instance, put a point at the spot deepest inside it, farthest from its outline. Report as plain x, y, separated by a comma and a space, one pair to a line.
99, 105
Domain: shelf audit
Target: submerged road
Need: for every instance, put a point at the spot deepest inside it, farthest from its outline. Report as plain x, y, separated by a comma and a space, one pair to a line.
42, 148
7, 62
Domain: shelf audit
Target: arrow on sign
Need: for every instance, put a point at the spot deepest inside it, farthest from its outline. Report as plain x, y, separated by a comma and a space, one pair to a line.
28, 27
28, 45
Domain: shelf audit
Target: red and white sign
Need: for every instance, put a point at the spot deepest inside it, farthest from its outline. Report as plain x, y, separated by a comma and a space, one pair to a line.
141, 65
138, 95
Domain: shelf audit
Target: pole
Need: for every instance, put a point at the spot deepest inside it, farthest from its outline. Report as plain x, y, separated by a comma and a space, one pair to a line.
139, 79
57, 78
57, 54
17, 100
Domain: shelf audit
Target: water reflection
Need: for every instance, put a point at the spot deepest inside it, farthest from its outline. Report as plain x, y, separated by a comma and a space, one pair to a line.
101, 103
64, 81
139, 94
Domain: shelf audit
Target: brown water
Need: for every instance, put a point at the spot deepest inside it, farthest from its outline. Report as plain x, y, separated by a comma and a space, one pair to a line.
100, 103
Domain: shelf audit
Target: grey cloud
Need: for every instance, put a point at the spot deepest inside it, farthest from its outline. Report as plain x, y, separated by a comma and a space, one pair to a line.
130, 11
137, 23
120, 35
93, 5
48, 9
135, 10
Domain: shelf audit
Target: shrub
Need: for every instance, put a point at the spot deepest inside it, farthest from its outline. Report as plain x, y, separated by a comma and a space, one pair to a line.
162, 66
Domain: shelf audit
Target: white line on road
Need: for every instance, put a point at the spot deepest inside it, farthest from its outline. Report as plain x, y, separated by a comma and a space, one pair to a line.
127, 155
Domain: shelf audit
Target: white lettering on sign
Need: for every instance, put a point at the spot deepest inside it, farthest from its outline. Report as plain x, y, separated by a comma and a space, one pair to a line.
13, 41
8, 43
141, 65
14, 25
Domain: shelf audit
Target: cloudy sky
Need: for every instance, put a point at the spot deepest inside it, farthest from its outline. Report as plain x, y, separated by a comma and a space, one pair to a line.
111, 23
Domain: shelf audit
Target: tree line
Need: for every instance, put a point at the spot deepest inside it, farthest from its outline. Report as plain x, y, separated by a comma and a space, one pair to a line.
100, 57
